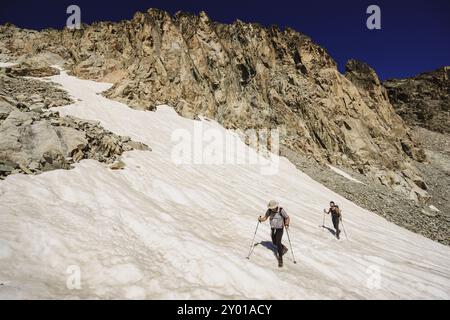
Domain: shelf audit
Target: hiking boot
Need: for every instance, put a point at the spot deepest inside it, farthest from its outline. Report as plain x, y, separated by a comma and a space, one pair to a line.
280, 262
337, 234
285, 249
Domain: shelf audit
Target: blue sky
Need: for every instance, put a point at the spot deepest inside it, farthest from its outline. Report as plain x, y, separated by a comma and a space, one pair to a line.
414, 37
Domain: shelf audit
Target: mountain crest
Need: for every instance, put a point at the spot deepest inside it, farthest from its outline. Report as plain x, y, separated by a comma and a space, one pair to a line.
244, 76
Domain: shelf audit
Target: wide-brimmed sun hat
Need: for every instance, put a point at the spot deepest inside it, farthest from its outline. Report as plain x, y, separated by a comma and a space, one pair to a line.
272, 204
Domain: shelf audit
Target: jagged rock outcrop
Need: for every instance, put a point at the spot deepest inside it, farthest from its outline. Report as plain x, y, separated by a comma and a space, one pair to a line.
245, 76
34, 139
32, 68
423, 100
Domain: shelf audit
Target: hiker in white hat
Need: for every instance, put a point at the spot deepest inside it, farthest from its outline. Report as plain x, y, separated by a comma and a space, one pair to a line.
278, 220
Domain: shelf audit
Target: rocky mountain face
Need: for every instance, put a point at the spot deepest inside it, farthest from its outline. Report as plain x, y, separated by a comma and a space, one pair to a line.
423, 100
34, 138
245, 76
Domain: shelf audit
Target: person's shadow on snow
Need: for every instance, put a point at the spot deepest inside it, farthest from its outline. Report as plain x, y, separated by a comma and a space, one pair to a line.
331, 230
269, 245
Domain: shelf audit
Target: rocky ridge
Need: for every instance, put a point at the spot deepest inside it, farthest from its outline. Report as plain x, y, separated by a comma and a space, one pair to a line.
245, 76
423, 100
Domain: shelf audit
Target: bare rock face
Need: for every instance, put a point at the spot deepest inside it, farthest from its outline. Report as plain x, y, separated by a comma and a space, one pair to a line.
423, 100
245, 76
30, 94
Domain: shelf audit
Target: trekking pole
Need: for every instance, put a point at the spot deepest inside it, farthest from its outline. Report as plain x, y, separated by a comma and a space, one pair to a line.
290, 245
251, 247
343, 228
323, 222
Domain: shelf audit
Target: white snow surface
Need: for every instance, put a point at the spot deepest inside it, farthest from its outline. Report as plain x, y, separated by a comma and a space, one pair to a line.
158, 230
433, 208
344, 174
6, 64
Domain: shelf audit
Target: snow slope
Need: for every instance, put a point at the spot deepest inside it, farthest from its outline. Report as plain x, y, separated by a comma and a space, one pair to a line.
161, 230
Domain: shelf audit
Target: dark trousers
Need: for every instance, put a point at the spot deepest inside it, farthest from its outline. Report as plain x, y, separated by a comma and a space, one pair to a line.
335, 219
277, 234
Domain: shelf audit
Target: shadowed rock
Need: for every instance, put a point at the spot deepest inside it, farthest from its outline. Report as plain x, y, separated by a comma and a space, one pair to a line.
423, 100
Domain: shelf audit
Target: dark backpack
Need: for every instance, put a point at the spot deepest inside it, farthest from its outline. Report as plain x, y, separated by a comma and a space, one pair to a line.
336, 210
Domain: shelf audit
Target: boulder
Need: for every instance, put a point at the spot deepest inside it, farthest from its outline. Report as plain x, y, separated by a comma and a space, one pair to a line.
32, 69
